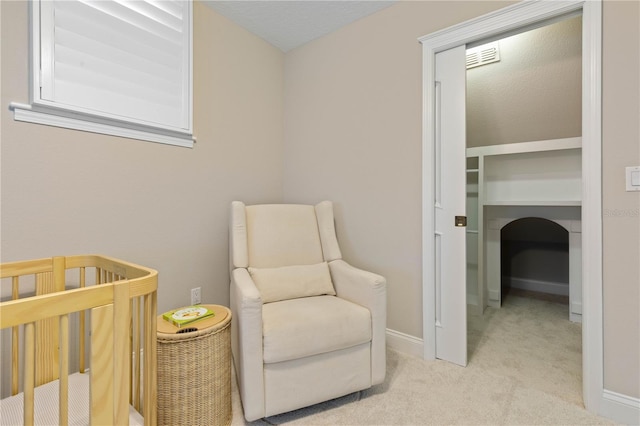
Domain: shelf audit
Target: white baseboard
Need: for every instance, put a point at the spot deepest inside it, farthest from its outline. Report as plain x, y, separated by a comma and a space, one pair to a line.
472, 299
494, 298
620, 408
405, 343
550, 287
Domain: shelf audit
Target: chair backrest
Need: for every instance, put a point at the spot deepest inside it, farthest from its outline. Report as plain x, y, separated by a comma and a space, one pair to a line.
274, 235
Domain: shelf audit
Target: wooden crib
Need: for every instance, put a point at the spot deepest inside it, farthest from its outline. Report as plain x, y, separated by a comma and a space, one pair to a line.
69, 311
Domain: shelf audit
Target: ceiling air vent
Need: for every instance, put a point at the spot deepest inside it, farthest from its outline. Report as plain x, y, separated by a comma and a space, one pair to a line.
483, 55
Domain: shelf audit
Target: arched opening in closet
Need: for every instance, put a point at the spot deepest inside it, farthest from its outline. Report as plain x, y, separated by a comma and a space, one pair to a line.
534, 259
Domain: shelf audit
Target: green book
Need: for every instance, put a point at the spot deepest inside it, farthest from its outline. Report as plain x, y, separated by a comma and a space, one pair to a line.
187, 315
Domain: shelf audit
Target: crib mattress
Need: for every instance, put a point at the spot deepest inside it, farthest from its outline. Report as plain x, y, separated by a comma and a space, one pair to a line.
46, 405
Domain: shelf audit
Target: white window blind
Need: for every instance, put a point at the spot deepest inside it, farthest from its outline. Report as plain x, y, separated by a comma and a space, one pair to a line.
122, 63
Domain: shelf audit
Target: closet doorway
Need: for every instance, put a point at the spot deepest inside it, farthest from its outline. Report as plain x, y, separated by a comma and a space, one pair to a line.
524, 183
510, 20
523, 139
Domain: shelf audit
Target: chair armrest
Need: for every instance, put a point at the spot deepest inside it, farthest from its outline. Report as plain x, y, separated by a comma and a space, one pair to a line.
246, 342
358, 286
369, 290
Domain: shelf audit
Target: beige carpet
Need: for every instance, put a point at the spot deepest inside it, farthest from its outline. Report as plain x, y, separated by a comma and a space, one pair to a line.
524, 368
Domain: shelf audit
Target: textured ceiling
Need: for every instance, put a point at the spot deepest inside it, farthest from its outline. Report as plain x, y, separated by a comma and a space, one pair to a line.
289, 24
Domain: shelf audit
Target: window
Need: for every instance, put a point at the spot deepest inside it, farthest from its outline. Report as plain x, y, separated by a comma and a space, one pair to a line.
120, 67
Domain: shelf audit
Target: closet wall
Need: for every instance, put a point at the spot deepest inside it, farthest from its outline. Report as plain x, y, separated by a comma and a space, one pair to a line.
533, 93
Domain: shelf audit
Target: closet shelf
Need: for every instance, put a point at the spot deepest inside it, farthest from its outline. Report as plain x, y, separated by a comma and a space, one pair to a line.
524, 147
533, 203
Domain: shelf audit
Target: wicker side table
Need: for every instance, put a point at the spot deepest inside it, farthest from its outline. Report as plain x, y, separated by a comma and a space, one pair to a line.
194, 371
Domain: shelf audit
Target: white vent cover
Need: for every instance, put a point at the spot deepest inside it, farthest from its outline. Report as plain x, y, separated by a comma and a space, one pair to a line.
483, 55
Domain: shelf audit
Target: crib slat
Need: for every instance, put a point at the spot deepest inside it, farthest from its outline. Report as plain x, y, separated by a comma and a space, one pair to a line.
150, 396
15, 342
81, 344
47, 329
137, 345
131, 350
29, 373
102, 360
121, 354
59, 273
64, 371
46, 336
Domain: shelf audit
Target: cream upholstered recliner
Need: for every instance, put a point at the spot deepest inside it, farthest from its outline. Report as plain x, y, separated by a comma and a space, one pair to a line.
306, 326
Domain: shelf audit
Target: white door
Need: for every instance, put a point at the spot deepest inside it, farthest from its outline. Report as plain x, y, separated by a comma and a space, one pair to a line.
450, 194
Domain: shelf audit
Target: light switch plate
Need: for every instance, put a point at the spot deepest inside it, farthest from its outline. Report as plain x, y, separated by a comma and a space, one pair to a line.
633, 178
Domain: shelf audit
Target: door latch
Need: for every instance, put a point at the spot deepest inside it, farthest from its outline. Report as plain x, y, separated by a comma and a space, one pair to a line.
461, 221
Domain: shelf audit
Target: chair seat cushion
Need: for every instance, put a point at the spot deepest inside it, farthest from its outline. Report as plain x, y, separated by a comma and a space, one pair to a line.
308, 326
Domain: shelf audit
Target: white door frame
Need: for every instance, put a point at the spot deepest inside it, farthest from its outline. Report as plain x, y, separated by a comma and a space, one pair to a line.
512, 18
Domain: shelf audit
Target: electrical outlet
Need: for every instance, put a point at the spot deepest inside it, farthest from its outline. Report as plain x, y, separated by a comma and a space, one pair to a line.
195, 296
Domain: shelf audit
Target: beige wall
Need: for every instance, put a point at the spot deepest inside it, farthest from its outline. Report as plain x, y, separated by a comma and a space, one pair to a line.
621, 221
353, 134
69, 192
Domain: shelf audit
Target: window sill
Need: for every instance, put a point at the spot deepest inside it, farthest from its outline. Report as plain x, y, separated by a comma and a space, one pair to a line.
61, 118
